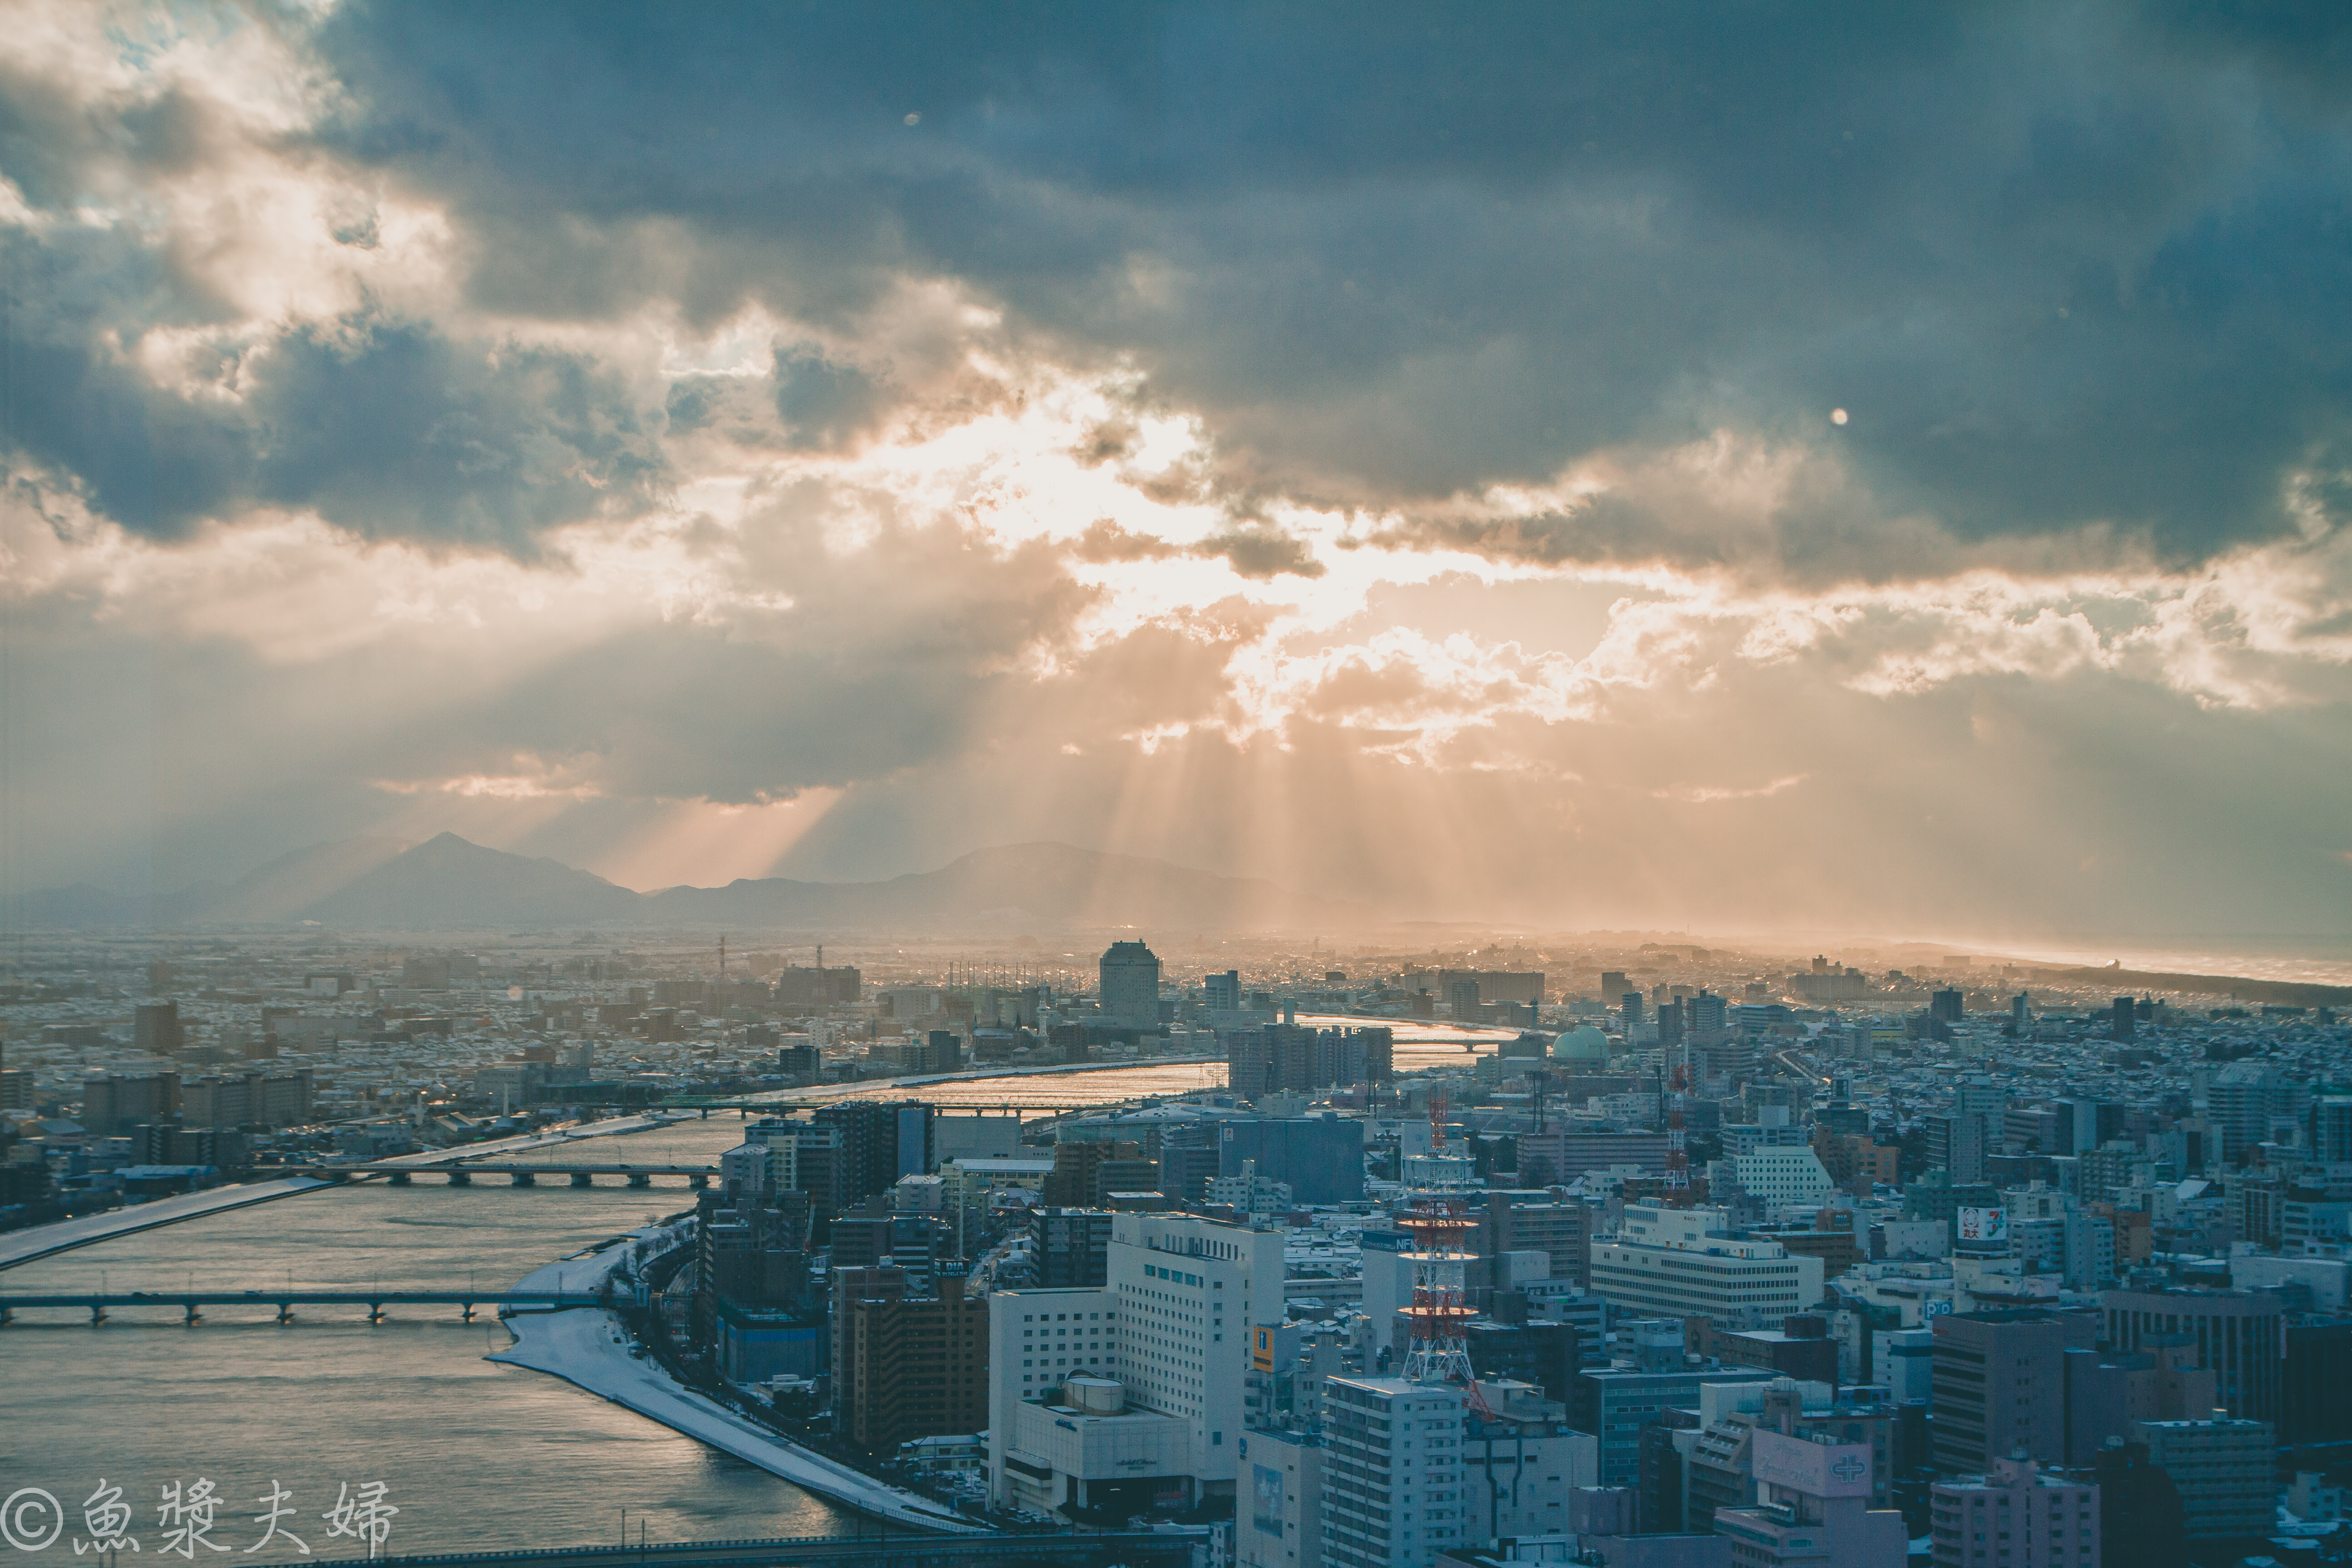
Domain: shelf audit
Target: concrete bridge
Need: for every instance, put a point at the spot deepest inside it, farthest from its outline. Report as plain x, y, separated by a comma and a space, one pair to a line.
522, 1173
191, 1303
1078, 1548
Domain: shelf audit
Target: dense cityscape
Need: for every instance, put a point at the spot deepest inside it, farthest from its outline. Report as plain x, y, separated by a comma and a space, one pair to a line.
1647, 1253
1539, 783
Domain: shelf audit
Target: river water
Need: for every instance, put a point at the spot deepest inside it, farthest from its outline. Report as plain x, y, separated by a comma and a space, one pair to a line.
474, 1456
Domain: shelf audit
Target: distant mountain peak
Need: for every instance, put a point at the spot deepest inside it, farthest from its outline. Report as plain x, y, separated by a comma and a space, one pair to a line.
451, 883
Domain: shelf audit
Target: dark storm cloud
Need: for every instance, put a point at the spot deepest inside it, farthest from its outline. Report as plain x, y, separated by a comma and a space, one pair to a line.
384, 427
2067, 265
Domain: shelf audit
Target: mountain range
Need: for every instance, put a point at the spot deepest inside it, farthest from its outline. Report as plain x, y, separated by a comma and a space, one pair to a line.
450, 883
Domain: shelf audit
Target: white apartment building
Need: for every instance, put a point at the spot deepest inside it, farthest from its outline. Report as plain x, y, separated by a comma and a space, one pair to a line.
1783, 1177
1681, 1263
1170, 1327
1394, 1494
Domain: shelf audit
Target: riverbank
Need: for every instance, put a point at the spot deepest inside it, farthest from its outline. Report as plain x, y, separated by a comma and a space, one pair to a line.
589, 1348
38, 1241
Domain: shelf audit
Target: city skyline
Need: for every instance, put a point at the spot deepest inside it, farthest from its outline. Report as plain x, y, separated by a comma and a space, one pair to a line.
1548, 471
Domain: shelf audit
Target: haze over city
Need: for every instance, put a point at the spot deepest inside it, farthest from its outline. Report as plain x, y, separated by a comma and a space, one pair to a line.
1740, 470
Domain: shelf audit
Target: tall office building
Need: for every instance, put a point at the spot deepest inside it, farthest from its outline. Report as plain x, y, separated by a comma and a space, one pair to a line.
1321, 1158
1947, 1006
1221, 992
1521, 1219
1997, 1382
912, 1368
156, 1030
1166, 1342
1629, 1008
1085, 1170
1128, 986
1069, 1247
1687, 1263
2238, 1335
2124, 1026
1704, 1012
2328, 1129
877, 1144
2242, 1101
1188, 1161
1398, 1444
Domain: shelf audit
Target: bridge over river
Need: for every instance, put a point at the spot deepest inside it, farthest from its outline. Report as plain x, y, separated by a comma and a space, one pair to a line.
191, 1303
1076, 1549
521, 1173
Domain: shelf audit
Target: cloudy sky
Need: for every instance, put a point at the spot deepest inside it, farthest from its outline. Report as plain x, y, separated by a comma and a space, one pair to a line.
1730, 465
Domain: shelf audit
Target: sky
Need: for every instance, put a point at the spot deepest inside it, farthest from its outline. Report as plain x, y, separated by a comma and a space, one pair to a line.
1732, 466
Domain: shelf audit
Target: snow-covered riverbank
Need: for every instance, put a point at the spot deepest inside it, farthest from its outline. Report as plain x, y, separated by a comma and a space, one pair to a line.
589, 1347
38, 1241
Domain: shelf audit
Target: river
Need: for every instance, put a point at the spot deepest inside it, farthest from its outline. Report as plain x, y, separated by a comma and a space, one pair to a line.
475, 1456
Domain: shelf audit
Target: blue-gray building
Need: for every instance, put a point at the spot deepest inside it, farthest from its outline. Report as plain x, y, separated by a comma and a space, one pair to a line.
1321, 1157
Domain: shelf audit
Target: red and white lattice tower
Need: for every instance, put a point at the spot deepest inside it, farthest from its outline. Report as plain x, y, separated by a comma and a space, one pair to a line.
1439, 1353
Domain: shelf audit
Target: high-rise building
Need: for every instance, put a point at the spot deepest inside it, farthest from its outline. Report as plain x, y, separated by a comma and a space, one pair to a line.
2241, 1102
1087, 1170
1168, 1333
1997, 1376
1532, 1219
1687, 1263
1399, 1445
1128, 986
1320, 1158
879, 1142
2316, 1398
1069, 1247
2238, 1335
1188, 1161
1616, 1402
1276, 1056
913, 1367
1221, 992
1704, 1012
2124, 1026
1948, 1005
156, 1030
113, 1103
1629, 1008
2014, 1516
2328, 1129
1957, 1144
2225, 1471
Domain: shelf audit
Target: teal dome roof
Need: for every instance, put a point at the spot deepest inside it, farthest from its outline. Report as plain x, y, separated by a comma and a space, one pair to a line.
1583, 1043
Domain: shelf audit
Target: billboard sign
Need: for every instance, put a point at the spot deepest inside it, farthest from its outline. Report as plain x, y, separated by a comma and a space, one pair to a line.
1983, 1226
1266, 1500
1817, 1469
